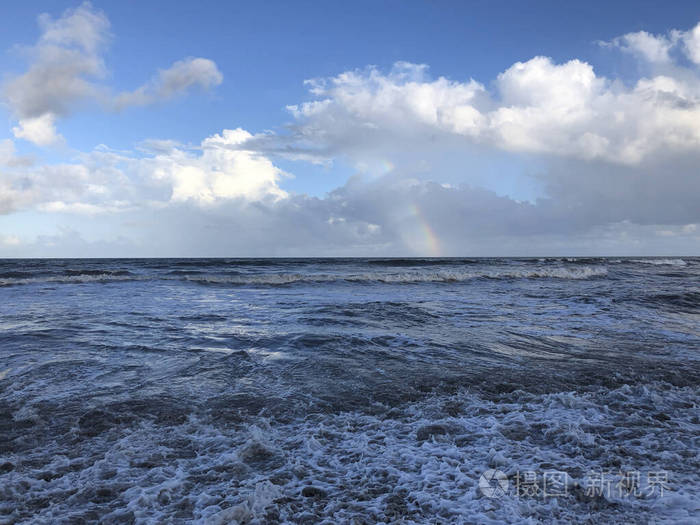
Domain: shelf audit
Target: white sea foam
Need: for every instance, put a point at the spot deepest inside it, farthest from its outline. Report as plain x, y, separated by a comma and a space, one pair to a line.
272, 279
661, 262
418, 463
446, 276
583, 272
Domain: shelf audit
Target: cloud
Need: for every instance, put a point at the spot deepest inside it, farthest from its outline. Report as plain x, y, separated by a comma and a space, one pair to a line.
10, 240
88, 186
360, 110
649, 47
217, 173
66, 67
536, 106
39, 130
83, 28
104, 181
691, 42
366, 216
609, 153
7, 152
659, 49
174, 81
606, 151
64, 63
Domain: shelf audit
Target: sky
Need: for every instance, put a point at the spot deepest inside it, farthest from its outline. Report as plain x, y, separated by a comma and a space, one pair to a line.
377, 128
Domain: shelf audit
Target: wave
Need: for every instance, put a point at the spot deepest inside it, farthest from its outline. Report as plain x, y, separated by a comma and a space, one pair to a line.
70, 279
186, 272
16, 275
277, 279
421, 262
566, 260
660, 262
81, 272
603, 260
688, 301
258, 262
405, 277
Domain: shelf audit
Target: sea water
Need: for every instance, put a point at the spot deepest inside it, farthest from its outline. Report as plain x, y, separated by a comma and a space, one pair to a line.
332, 390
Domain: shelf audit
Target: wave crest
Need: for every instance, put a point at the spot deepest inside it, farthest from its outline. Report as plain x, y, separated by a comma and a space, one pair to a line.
661, 262
71, 279
278, 279
585, 272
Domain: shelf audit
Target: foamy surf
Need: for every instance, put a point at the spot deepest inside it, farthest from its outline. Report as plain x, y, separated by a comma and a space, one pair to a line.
661, 262
418, 463
405, 277
69, 279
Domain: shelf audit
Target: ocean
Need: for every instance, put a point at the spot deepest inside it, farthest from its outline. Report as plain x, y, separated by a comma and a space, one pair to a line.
465, 390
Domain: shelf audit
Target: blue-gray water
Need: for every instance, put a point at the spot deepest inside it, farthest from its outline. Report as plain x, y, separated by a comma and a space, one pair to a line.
268, 390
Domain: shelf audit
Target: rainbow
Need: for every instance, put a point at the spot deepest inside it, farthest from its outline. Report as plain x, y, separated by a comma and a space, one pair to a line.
386, 166
431, 240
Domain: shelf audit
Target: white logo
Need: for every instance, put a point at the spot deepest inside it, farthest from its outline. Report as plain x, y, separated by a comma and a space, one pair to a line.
493, 484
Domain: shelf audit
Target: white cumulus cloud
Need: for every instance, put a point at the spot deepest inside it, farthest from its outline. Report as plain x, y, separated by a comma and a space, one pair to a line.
220, 172
39, 130
647, 46
537, 106
659, 48
103, 181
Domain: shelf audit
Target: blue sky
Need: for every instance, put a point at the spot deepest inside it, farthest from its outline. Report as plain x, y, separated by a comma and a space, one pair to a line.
401, 121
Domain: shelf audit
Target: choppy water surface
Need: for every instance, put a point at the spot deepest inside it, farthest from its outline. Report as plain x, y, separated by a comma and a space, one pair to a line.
264, 391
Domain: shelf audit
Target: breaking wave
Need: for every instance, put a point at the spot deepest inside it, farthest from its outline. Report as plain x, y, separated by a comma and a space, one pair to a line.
96, 277
661, 262
404, 277
273, 279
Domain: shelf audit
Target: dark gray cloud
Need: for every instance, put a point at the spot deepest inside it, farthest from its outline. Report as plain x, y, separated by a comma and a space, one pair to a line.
379, 217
